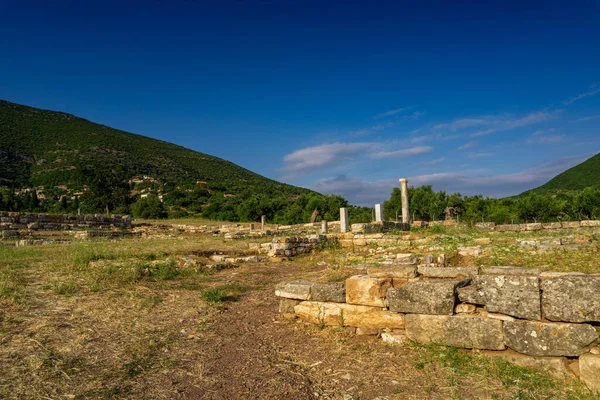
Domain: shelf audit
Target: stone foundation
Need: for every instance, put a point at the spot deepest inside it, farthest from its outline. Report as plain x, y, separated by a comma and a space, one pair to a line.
541, 320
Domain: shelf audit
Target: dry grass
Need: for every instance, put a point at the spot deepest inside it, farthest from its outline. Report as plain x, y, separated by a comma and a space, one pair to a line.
149, 319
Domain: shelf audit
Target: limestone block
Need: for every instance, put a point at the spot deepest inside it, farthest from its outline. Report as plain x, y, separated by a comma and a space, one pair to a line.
465, 331
590, 223
341, 314
406, 258
393, 271
333, 292
367, 332
533, 227
425, 297
518, 296
571, 298
469, 251
365, 290
286, 306
299, 290
394, 338
346, 243
508, 228
548, 339
447, 272
509, 271
589, 371
552, 225
556, 367
360, 242
571, 225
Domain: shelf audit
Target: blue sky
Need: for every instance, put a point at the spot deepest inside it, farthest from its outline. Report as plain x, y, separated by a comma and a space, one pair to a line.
466, 96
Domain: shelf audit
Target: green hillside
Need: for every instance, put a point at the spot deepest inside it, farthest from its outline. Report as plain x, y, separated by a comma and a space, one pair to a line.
49, 148
55, 162
586, 174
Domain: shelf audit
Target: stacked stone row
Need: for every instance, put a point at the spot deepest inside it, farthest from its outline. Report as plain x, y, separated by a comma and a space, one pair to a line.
14, 224
291, 246
538, 226
547, 316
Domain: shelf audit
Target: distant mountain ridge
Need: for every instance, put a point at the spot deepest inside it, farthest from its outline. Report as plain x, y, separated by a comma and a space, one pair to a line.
49, 148
581, 176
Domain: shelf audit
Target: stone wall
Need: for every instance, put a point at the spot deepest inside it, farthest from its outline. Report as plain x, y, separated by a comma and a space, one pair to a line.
290, 246
541, 319
538, 226
15, 224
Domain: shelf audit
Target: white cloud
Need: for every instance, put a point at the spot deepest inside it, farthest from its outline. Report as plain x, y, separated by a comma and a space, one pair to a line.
392, 112
591, 117
360, 191
480, 155
469, 145
320, 157
415, 151
435, 162
582, 95
546, 139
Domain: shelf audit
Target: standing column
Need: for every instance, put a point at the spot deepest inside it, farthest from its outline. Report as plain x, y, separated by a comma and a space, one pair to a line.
324, 227
378, 212
344, 224
263, 221
405, 211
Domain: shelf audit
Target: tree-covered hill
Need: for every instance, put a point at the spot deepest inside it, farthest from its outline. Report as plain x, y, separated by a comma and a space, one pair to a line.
56, 162
584, 175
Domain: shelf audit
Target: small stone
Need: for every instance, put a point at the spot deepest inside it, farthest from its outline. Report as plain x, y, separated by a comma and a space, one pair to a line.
286, 306
367, 332
394, 338
589, 371
464, 308
406, 258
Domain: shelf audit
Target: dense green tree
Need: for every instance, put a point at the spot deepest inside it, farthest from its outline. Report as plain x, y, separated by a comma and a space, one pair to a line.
149, 208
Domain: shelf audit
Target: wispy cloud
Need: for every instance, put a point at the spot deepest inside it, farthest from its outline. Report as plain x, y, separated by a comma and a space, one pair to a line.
480, 126
434, 162
392, 112
414, 151
382, 126
590, 118
366, 192
480, 155
545, 136
589, 93
327, 155
469, 145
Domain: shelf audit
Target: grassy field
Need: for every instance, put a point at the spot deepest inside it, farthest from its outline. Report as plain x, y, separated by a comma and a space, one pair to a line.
155, 319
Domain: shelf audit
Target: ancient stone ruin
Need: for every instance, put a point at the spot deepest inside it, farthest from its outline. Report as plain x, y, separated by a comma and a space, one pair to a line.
538, 319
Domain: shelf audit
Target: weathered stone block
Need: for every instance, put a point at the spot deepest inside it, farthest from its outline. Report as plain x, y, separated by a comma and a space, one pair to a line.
328, 292
299, 290
341, 314
508, 228
590, 223
465, 331
518, 296
571, 225
406, 258
447, 272
365, 290
393, 271
556, 367
548, 339
571, 298
425, 297
532, 227
286, 306
394, 338
589, 371
509, 271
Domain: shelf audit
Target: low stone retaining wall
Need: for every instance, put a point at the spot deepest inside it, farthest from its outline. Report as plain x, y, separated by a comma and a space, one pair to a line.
290, 246
538, 226
541, 319
15, 224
